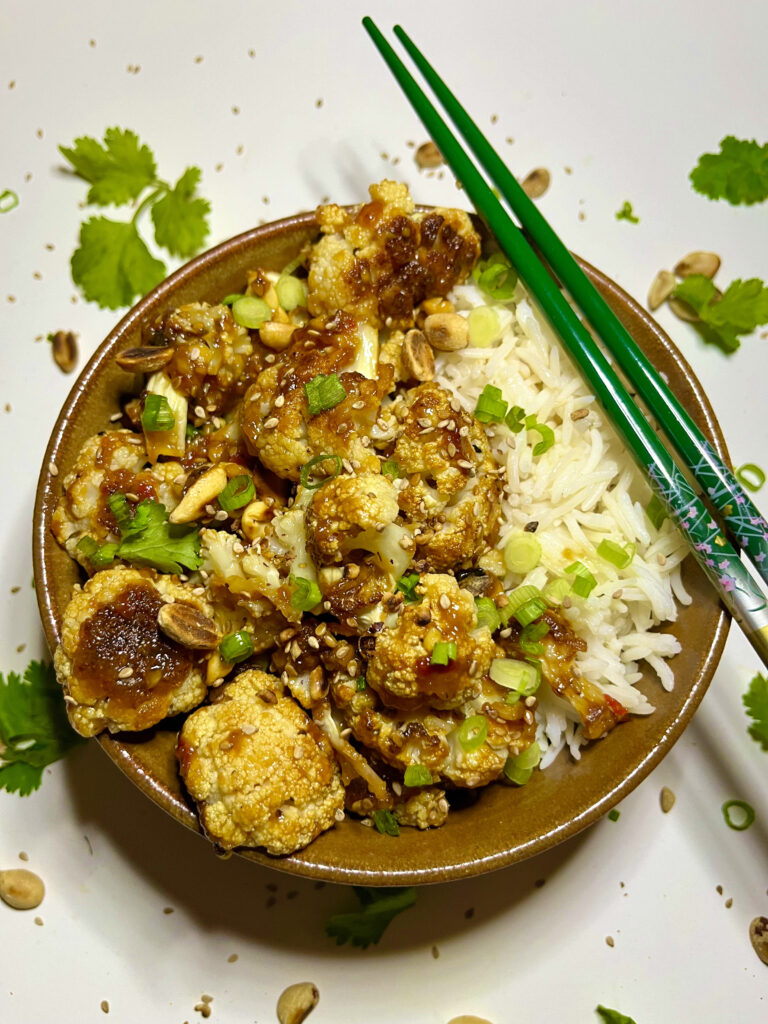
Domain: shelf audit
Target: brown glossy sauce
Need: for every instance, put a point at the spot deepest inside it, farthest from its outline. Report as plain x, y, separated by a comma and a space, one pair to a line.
121, 634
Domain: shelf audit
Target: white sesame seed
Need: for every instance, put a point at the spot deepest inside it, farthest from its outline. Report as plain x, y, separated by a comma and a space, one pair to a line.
617, 594
280, 401
125, 673
661, 559
397, 789
53, 469
194, 353
359, 404
221, 515
444, 602
115, 417
200, 412
248, 729
198, 591
505, 633
271, 423
270, 357
313, 642
339, 814
530, 701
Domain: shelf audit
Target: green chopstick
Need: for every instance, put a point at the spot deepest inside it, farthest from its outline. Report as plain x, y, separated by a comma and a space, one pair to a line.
742, 517
715, 555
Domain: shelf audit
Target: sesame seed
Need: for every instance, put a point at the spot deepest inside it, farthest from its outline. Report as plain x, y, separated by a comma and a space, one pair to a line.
248, 729
238, 548
199, 412
298, 752
528, 717
444, 602
270, 357
210, 510
345, 732
313, 642
221, 515
359, 404
53, 469
115, 417
424, 423
661, 559
280, 401
567, 602
397, 789
505, 633
271, 423
463, 431
530, 701
125, 673
617, 594
579, 414
463, 464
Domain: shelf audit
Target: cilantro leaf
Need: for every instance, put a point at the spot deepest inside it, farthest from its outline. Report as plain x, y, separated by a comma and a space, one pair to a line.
180, 216
149, 539
738, 173
756, 702
377, 908
20, 778
34, 731
113, 266
742, 308
117, 171
613, 1016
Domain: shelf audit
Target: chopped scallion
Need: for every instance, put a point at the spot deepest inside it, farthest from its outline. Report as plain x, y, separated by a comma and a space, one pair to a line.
238, 493
407, 586
307, 594
530, 611
251, 312
99, 555
417, 775
522, 677
745, 817
360, 684
487, 614
522, 552
498, 279
324, 392
444, 652
157, 413
750, 476
291, 292
583, 580
531, 635
617, 554
547, 435
491, 407
614, 814
473, 732
236, 646
391, 469
305, 477
555, 590
386, 823
520, 769
515, 419
484, 326
232, 298
8, 201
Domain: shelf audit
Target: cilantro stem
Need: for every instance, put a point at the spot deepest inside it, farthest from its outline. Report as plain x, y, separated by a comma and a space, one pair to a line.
161, 189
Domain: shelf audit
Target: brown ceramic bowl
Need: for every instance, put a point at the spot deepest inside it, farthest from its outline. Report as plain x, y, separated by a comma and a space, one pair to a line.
504, 824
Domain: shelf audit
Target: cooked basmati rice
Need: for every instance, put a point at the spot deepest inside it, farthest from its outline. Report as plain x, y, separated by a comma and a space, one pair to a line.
584, 489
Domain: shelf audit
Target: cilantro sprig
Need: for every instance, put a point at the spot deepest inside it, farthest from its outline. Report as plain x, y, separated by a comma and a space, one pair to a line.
34, 731
738, 173
112, 264
613, 1016
377, 908
756, 703
742, 307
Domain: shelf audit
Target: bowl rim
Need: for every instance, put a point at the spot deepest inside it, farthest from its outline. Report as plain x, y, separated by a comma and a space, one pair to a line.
296, 864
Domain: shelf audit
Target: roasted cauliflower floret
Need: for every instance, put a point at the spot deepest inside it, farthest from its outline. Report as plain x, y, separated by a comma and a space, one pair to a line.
400, 670
276, 421
345, 507
119, 671
381, 260
108, 463
422, 808
452, 496
213, 360
260, 771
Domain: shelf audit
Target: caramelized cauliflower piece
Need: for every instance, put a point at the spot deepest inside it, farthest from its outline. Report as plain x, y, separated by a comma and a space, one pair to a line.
400, 670
345, 507
260, 771
381, 260
213, 361
452, 496
422, 808
598, 712
118, 670
107, 464
275, 417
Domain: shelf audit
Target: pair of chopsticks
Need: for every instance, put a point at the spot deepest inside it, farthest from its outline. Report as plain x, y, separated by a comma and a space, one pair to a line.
712, 550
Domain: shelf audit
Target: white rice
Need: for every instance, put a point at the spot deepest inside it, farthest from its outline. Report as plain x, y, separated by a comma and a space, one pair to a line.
584, 489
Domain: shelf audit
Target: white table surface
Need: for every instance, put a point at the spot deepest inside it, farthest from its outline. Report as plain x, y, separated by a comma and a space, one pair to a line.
628, 95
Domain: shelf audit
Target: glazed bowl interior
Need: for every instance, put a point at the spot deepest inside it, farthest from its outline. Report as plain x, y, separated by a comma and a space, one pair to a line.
500, 824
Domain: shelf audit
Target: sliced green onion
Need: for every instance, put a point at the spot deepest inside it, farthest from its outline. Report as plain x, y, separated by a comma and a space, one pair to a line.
520, 769
547, 435
498, 280
522, 552
417, 775
360, 684
473, 732
530, 757
491, 407
750, 476
236, 646
307, 594
324, 392
516, 599
157, 413
531, 611
305, 476
232, 298
484, 326
656, 511
407, 585
515, 418
617, 554
295, 263
614, 814
8, 201
251, 311
530, 636
386, 823
523, 677
391, 469
291, 292
190, 432
745, 817
444, 652
487, 614
238, 493
99, 555
555, 590
583, 580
